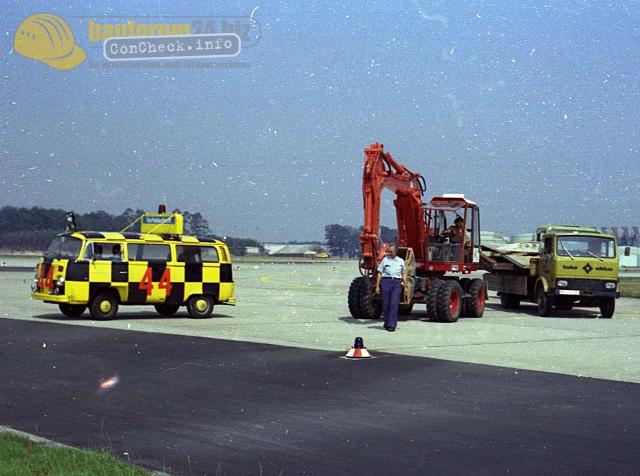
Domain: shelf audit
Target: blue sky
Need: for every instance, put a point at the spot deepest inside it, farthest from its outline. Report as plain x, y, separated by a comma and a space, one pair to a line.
531, 109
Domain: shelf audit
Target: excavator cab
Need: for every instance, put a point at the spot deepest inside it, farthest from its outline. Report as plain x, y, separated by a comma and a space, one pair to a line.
453, 234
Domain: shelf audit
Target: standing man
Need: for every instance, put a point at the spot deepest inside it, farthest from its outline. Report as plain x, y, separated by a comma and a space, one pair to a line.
392, 276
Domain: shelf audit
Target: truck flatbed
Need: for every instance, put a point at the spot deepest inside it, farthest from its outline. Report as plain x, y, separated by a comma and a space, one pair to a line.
511, 259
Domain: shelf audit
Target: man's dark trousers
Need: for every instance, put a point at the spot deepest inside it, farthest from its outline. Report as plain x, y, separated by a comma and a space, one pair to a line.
391, 289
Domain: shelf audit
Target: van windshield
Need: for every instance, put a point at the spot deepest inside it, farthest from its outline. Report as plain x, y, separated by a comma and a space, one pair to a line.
64, 247
585, 246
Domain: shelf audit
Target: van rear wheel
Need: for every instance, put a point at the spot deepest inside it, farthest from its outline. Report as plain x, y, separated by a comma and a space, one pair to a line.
200, 307
72, 310
167, 309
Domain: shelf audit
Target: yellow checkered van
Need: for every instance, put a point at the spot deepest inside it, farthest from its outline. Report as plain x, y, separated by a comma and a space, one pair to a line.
163, 268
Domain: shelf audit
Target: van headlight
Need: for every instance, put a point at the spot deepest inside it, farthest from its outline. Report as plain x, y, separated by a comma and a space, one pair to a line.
610, 285
60, 282
562, 283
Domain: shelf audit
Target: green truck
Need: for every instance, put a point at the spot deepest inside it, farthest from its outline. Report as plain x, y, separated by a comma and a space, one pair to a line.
566, 267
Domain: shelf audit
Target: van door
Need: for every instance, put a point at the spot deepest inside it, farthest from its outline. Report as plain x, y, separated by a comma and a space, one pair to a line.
201, 270
106, 266
150, 280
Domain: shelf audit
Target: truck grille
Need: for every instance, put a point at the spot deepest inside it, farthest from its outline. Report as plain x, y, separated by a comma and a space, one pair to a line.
586, 284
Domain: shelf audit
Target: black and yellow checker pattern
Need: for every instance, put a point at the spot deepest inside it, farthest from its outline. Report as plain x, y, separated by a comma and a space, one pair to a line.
137, 281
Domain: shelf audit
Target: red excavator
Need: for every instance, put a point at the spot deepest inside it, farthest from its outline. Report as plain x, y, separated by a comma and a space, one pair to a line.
438, 256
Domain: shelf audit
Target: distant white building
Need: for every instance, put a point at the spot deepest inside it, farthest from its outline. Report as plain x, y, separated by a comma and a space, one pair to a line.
293, 251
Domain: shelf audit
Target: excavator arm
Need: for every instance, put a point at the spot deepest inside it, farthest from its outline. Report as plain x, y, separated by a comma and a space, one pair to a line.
382, 171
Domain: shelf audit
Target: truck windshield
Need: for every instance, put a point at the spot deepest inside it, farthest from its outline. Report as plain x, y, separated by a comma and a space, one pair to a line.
64, 247
586, 246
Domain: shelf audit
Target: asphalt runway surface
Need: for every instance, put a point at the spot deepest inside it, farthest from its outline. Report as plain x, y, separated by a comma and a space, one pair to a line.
192, 405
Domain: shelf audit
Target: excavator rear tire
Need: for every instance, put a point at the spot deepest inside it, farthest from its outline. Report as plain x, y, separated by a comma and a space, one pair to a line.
449, 301
405, 309
362, 305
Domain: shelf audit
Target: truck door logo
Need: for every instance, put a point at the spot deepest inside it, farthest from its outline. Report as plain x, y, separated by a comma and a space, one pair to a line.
587, 268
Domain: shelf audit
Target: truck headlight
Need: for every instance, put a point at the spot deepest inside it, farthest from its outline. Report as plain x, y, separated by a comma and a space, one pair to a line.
610, 285
60, 282
562, 283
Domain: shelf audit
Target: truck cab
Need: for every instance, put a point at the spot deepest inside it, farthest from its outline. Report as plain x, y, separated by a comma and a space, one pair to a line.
577, 266
567, 266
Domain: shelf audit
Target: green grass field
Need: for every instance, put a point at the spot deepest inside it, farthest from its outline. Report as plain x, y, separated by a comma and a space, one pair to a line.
23, 457
630, 287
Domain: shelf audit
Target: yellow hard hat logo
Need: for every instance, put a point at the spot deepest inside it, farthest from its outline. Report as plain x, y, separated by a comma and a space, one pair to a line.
47, 38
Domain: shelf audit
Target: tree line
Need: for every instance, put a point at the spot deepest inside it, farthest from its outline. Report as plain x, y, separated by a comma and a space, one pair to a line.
344, 240
33, 229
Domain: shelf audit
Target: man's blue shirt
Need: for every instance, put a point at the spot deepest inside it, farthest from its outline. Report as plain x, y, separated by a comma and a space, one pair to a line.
391, 267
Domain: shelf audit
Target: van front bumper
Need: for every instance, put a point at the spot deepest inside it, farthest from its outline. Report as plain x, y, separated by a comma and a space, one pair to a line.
54, 298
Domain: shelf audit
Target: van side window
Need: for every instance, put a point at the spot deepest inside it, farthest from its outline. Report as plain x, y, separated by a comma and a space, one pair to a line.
209, 254
103, 251
145, 252
197, 254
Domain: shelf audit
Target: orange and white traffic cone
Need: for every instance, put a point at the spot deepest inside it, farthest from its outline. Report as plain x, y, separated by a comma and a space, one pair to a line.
358, 351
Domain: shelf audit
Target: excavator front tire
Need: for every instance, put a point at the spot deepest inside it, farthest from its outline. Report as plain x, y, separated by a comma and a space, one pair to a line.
432, 299
362, 304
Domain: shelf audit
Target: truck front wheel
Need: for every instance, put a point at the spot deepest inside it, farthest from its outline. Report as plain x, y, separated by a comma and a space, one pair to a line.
607, 307
544, 302
475, 302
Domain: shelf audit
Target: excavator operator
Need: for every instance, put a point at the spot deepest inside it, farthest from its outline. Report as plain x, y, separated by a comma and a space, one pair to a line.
455, 233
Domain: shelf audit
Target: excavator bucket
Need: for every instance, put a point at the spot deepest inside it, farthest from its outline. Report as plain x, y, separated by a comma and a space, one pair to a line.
410, 261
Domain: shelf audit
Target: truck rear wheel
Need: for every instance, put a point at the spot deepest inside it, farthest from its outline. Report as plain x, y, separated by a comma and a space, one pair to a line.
509, 301
104, 306
544, 302
474, 306
362, 304
449, 301
607, 307
72, 310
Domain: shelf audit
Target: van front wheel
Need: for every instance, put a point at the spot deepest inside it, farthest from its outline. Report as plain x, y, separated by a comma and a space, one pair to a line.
167, 309
72, 310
